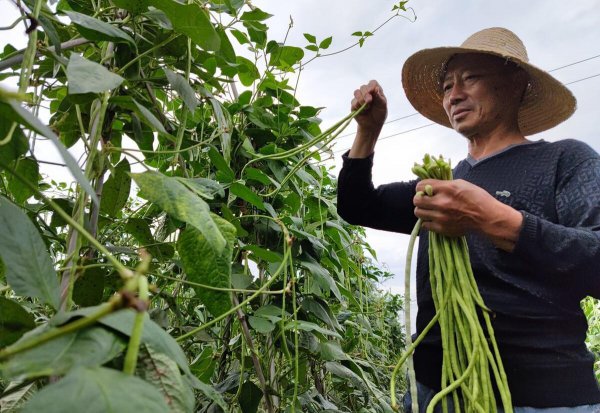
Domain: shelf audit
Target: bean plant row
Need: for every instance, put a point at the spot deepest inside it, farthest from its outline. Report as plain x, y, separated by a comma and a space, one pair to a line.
197, 262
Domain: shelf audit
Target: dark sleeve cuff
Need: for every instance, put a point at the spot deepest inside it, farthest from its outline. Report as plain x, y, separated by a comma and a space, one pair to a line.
528, 235
357, 162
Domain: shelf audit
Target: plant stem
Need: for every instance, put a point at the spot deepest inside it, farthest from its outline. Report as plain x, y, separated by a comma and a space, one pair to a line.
113, 304
248, 338
136, 335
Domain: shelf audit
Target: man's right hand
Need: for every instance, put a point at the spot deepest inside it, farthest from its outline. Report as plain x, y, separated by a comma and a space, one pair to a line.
370, 120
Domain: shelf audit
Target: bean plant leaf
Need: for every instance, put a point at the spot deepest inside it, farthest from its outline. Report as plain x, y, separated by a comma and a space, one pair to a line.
162, 372
173, 197
12, 111
89, 347
89, 287
29, 268
122, 321
14, 321
345, 373
262, 325
204, 265
115, 192
183, 88
255, 15
192, 21
94, 29
149, 117
97, 390
204, 187
331, 351
247, 195
134, 6
250, 397
28, 169
85, 76
17, 146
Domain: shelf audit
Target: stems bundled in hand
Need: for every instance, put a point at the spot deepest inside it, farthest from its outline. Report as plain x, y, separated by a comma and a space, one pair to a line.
471, 367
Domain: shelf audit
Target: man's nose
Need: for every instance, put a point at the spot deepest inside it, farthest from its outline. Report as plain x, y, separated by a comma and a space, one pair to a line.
457, 93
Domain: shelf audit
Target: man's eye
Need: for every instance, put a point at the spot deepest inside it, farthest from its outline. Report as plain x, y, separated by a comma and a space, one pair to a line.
447, 87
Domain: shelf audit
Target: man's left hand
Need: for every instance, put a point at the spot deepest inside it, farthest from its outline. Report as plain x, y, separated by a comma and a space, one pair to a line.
458, 207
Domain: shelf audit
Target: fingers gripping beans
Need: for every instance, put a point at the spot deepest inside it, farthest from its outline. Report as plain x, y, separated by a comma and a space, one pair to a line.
471, 364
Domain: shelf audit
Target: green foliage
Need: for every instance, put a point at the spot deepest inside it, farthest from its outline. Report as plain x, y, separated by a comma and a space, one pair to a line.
261, 297
29, 268
97, 390
14, 321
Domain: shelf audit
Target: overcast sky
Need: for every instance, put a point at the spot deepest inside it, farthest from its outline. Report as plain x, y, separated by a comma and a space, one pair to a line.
556, 33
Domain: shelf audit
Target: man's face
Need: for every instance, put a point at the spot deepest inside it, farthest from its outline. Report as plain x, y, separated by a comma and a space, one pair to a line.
481, 94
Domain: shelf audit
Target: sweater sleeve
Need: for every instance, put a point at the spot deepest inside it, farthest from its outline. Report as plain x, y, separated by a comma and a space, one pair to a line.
388, 207
570, 247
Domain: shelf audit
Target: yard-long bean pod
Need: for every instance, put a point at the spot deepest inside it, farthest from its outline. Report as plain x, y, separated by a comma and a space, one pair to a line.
471, 368
322, 137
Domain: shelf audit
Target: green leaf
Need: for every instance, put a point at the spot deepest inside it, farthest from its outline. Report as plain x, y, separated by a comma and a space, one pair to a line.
204, 265
89, 347
14, 321
210, 392
12, 111
344, 373
85, 76
204, 365
310, 38
28, 169
134, 6
308, 326
51, 32
17, 146
97, 390
250, 397
149, 117
122, 321
89, 287
331, 351
258, 176
247, 71
183, 88
222, 166
204, 187
192, 21
226, 50
313, 306
115, 192
162, 372
264, 253
255, 15
320, 275
326, 43
286, 56
312, 48
173, 197
262, 325
94, 29
29, 268
247, 195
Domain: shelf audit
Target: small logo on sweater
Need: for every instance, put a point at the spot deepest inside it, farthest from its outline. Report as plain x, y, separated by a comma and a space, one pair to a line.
504, 193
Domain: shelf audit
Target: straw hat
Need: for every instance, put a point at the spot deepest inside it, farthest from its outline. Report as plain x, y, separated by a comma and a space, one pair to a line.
546, 103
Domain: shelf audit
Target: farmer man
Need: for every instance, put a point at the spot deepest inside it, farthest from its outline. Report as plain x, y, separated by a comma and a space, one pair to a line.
530, 211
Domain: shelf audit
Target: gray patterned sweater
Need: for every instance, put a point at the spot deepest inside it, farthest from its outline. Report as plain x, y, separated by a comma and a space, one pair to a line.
534, 292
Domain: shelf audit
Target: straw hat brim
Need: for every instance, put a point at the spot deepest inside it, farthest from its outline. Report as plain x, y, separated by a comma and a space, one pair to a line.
546, 103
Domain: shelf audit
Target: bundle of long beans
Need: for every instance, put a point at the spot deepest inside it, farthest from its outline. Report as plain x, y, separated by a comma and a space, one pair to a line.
470, 353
